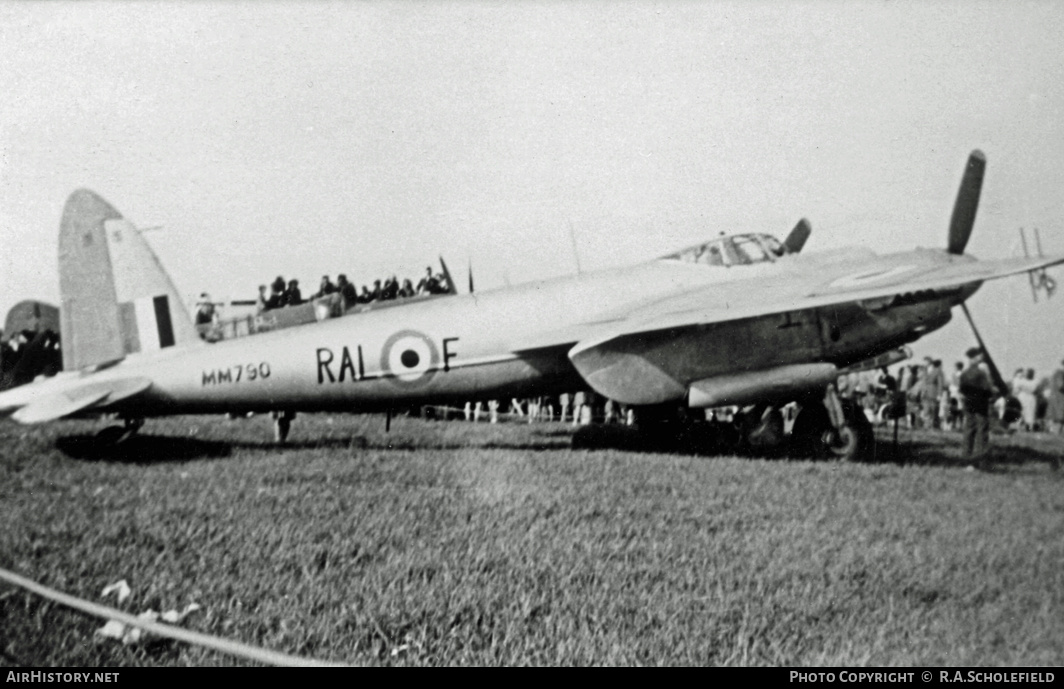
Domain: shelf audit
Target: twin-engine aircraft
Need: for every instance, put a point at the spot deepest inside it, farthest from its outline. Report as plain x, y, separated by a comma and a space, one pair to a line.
737, 320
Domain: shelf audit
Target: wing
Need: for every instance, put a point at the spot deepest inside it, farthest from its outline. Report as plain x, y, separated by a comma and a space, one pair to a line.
750, 298
625, 358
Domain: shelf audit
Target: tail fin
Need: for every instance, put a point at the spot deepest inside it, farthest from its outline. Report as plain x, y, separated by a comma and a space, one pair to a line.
116, 297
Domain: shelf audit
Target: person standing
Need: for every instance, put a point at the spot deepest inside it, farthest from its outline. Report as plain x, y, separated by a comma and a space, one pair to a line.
205, 313
977, 390
276, 299
887, 391
1024, 388
931, 394
913, 396
428, 284
347, 291
1055, 399
579, 401
292, 296
261, 304
325, 288
956, 402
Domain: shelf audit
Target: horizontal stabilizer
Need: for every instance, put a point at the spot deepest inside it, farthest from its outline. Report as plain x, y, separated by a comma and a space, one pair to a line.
79, 398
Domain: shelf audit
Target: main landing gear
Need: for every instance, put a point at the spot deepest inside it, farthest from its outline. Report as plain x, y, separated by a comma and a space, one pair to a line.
824, 427
832, 427
116, 435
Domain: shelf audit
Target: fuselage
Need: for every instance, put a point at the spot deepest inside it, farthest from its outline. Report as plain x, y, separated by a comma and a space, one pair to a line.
515, 341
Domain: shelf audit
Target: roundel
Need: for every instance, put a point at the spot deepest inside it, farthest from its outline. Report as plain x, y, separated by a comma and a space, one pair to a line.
869, 277
409, 358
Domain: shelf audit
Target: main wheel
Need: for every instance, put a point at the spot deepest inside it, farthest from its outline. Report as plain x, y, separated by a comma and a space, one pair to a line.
814, 436
844, 443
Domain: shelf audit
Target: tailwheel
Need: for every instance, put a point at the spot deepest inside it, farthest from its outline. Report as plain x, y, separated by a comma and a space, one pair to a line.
116, 435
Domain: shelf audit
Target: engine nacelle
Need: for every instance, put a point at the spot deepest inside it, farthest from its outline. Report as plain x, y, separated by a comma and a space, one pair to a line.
778, 383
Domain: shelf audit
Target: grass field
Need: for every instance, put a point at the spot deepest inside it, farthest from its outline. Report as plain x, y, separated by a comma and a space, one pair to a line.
455, 543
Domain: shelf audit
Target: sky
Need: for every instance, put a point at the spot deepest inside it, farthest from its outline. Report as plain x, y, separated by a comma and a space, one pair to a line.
526, 138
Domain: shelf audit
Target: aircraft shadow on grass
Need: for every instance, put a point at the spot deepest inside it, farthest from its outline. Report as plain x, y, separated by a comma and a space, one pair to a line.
152, 449
142, 449
944, 451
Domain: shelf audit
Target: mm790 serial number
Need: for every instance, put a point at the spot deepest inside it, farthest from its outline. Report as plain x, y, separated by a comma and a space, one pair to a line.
235, 374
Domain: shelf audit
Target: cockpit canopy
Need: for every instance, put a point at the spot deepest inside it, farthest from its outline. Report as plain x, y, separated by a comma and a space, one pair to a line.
733, 250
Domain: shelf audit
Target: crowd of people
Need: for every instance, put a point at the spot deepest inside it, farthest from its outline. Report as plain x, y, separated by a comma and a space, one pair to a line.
927, 396
281, 293
577, 408
42, 349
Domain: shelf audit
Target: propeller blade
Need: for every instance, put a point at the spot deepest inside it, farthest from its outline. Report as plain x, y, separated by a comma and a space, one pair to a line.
451, 287
798, 236
470, 278
960, 225
995, 373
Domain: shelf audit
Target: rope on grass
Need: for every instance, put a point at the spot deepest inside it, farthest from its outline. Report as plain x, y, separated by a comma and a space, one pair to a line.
233, 648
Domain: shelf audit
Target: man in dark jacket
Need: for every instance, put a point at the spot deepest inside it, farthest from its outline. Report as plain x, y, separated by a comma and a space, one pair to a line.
293, 296
977, 390
325, 288
347, 291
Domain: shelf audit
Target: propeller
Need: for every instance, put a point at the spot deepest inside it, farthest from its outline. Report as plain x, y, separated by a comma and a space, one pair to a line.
798, 237
470, 277
995, 373
960, 224
451, 287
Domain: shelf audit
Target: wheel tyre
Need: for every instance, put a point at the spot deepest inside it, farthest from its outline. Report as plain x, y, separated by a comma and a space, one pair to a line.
112, 436
844, 443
